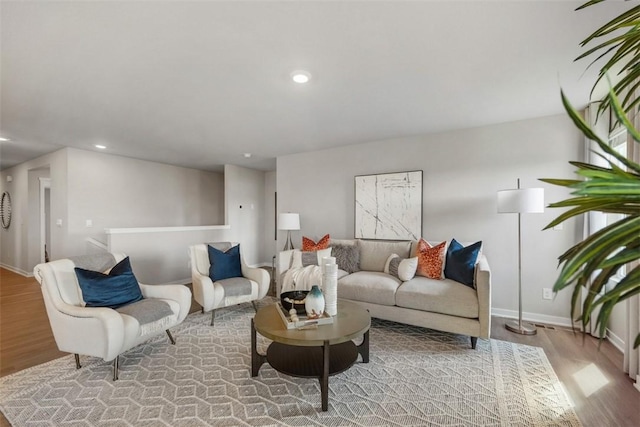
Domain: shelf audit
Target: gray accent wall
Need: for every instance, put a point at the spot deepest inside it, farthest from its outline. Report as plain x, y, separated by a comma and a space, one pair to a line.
463, 170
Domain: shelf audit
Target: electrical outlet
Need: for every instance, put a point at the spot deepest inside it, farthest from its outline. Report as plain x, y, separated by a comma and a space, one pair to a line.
547, 293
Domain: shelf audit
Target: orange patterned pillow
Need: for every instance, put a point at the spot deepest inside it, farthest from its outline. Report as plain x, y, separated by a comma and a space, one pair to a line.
430, 259
310, 245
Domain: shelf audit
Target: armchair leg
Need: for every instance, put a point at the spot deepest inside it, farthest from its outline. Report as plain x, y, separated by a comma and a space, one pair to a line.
474, 340
213, 316
173, 341
115, 368
77, 357
255, 306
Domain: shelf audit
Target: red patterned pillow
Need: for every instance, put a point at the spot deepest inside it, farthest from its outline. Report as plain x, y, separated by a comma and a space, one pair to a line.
430, 259
310, 245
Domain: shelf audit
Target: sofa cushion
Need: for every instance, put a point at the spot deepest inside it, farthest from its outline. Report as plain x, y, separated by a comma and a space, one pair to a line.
305, 258
117, 288
369, 286
402, 268
461, 262
374, 253
224, 264
438, 296
310, 245
346, 242
430, 259
347, 257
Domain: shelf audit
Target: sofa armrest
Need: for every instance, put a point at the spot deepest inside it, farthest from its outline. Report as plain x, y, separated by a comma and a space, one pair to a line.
178, 293
284, 261
483, 288
258, 275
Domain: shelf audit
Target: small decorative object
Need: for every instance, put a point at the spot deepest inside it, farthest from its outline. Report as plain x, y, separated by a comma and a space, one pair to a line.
5, 209
314, 304
300, 320
330, 285
294, 300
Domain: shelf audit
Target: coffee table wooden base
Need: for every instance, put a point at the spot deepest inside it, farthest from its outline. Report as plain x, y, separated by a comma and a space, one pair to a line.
310, 361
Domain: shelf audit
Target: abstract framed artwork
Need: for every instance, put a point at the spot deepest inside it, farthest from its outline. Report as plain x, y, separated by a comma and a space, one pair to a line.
389, 206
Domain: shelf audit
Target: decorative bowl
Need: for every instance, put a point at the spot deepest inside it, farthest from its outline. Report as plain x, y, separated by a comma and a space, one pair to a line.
294, 299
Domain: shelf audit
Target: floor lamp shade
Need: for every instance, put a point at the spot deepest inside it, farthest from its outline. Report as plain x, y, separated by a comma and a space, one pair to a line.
288, 222
520, 200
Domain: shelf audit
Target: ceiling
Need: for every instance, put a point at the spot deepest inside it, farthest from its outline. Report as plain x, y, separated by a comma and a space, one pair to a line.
198, 84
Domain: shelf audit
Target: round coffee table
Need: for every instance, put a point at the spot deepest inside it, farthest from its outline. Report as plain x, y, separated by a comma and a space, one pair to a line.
312, 353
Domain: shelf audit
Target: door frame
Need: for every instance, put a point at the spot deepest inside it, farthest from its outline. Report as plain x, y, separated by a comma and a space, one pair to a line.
45, 183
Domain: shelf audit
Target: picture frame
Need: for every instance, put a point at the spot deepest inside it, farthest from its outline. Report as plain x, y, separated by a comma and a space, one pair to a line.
388, 206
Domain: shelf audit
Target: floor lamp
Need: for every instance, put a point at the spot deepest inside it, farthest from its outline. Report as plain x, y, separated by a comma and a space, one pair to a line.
288, 221
520, 200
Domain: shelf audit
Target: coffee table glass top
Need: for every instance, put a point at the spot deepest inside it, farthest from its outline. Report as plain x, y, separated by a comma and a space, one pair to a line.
351, 322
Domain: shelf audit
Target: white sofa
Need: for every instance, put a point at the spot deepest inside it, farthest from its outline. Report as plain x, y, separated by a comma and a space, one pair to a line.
444, 305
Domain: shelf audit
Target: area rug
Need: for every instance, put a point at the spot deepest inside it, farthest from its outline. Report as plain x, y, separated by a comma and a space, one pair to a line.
415, 377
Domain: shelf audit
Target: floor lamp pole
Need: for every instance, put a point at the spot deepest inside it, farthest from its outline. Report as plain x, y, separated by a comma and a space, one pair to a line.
520, 328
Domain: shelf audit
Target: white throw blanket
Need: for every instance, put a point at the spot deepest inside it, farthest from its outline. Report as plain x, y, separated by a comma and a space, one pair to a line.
301, 278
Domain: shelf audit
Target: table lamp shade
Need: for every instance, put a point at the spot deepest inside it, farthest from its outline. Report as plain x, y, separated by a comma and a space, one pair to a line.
289, 221
521, 200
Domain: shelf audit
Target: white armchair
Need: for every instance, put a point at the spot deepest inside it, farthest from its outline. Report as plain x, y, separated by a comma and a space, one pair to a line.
211, 295
101, 331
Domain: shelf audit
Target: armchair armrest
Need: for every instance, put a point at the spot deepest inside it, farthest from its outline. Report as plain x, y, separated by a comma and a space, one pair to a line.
179, 293
258, 275
94, 331
483, 288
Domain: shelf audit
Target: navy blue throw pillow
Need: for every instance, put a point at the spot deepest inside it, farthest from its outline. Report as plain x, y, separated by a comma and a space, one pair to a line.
461, 262
224, 265
119, 287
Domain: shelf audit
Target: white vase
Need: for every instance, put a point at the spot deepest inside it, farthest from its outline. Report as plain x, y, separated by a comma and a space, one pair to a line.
330, 288
314, 303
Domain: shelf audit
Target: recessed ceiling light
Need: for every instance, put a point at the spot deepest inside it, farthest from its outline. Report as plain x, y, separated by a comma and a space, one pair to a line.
100, 146
247, 155
301, 76
5, 139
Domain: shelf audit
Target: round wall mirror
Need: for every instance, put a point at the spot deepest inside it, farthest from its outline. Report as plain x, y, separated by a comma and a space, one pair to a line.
5, 209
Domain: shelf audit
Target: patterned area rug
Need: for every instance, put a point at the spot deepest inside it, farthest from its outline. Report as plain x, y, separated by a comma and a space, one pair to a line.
415, 377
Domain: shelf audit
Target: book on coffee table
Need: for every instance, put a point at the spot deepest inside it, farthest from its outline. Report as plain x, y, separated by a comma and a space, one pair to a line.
303, 320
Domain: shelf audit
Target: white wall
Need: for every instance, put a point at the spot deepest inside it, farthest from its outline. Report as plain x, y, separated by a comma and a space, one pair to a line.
163, 257
463, 170
33, 217
244, 203
112, 192
119, 192
17, 249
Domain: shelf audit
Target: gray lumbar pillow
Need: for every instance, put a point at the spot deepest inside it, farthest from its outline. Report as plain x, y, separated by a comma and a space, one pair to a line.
347, 257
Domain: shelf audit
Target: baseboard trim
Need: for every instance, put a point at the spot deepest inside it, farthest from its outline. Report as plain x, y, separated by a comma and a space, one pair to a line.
16, 270
615, 340
533, 317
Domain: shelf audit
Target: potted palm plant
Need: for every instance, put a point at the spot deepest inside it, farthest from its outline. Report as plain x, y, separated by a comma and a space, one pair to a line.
591, 263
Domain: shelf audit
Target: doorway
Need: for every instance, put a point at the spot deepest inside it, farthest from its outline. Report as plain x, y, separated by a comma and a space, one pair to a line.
45, 219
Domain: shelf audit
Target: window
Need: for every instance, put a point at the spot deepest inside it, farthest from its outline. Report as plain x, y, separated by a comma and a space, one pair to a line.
617, 141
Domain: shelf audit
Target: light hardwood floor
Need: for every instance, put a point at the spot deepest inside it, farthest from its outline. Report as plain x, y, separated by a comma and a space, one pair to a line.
26, 340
